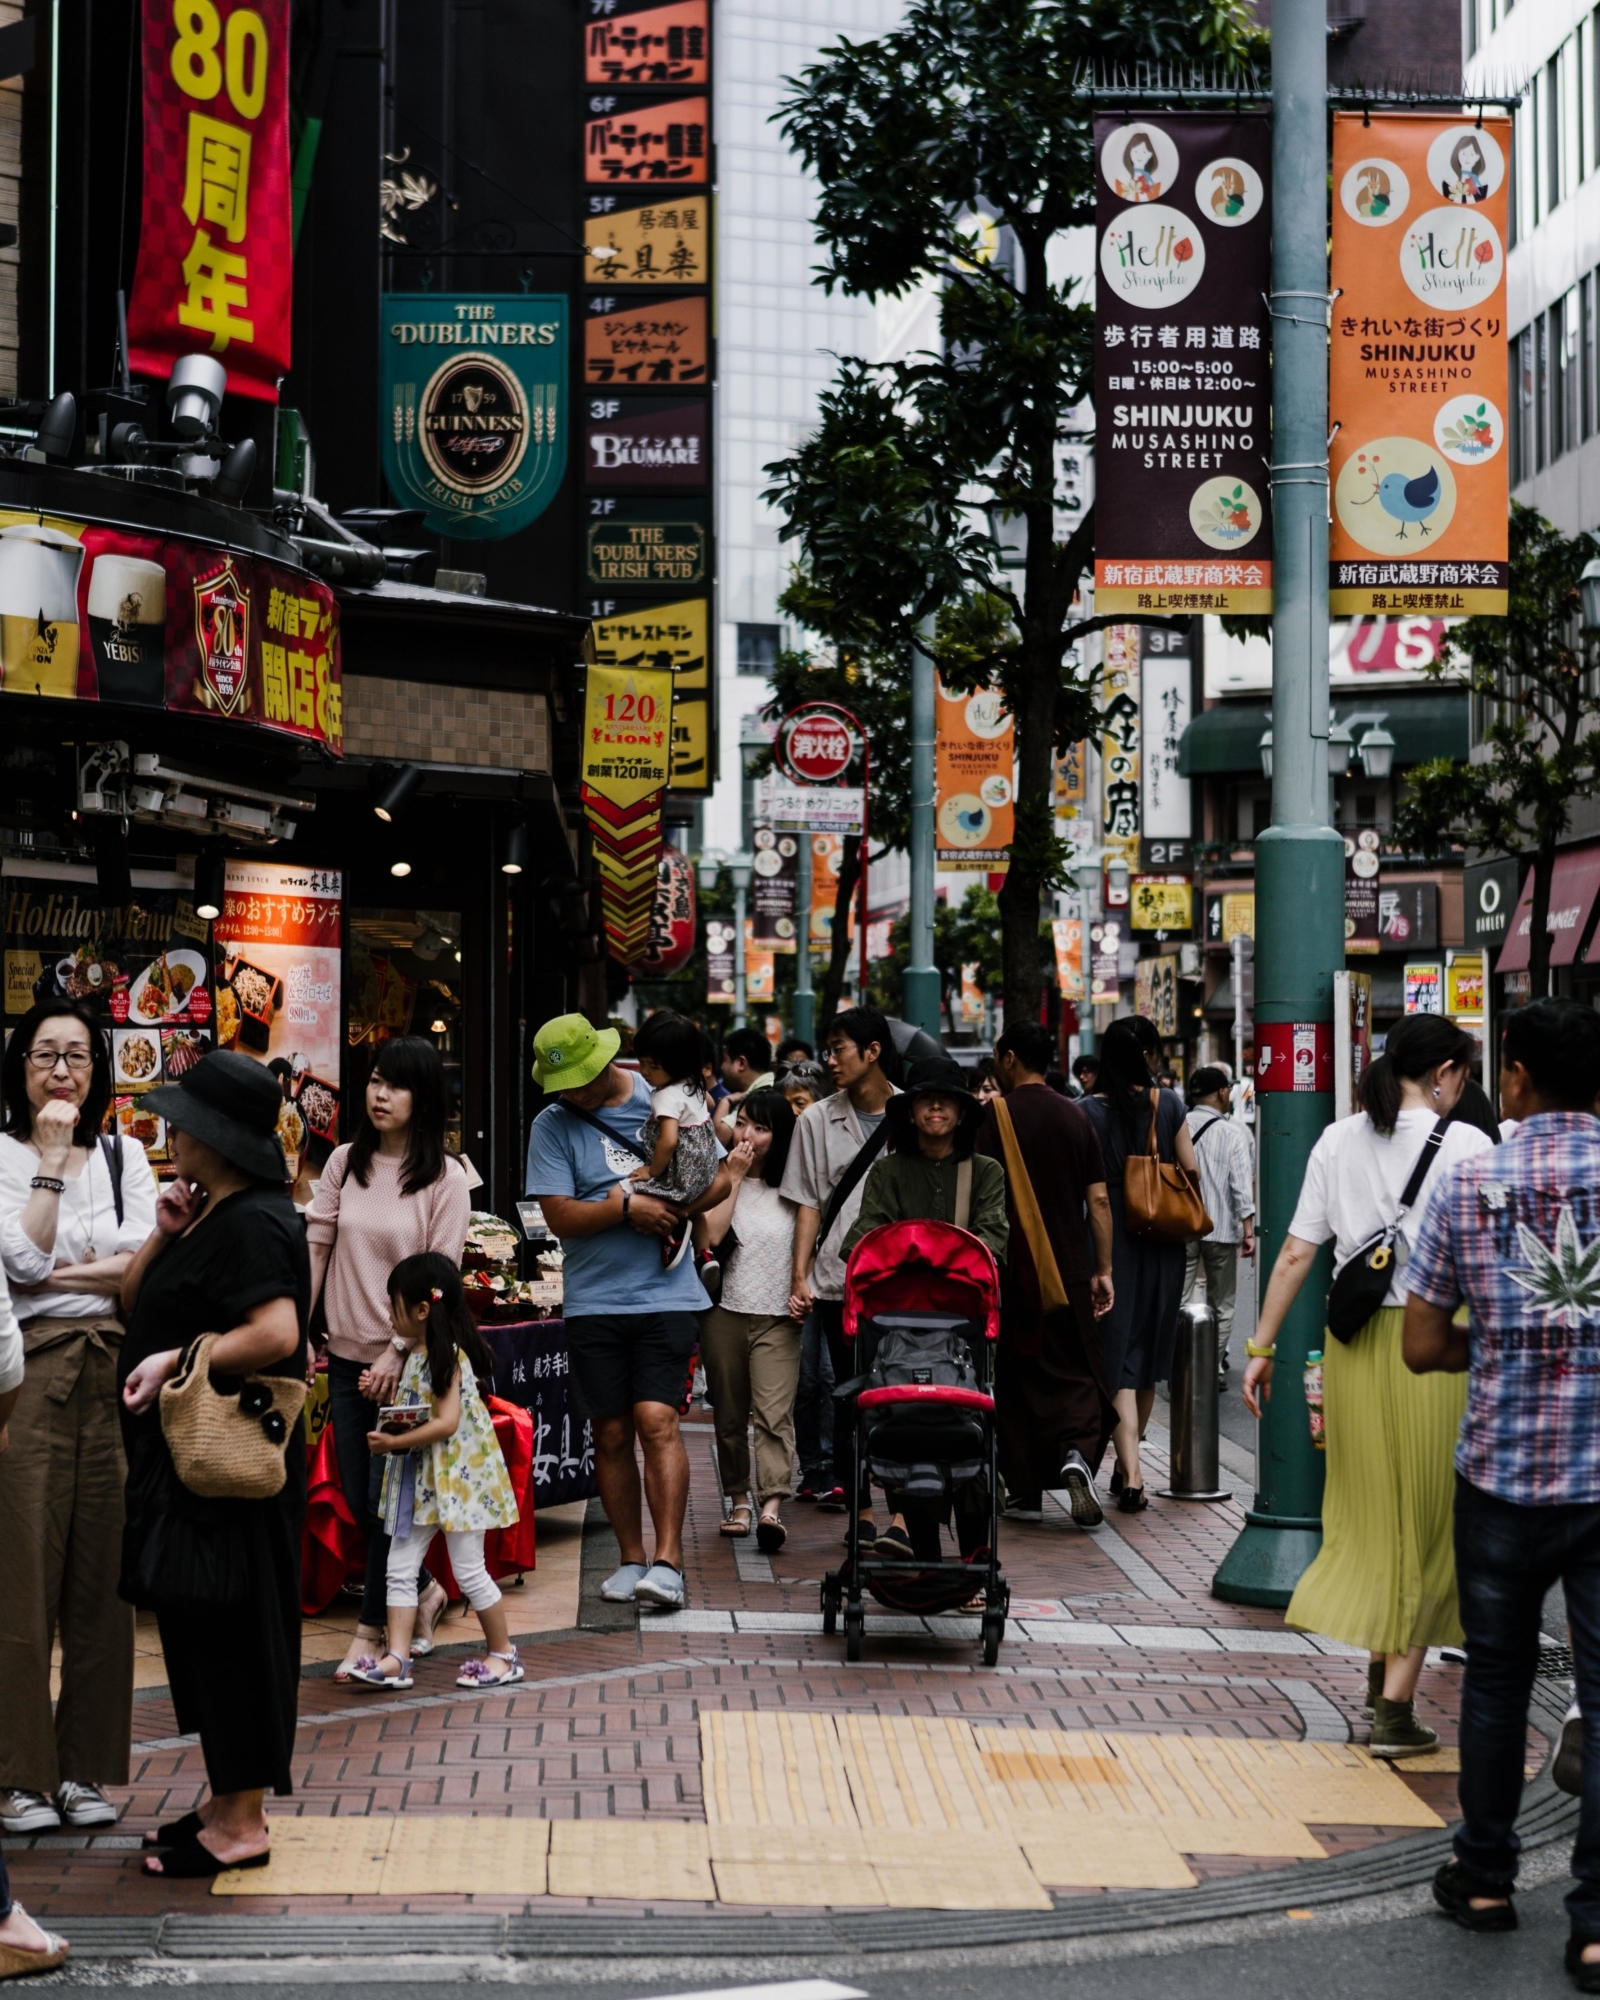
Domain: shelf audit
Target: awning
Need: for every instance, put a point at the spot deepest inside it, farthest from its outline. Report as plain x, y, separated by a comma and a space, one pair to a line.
1226, 740
1573, 888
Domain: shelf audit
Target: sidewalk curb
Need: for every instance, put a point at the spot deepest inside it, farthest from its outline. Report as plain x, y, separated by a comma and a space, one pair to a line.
1548, 1816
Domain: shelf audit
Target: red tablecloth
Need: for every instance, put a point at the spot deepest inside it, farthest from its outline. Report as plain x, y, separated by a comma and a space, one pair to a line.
333, 1549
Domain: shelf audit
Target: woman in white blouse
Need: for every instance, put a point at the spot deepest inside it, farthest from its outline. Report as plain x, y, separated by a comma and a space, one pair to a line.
1386, 1578
73, 1209
749, 1343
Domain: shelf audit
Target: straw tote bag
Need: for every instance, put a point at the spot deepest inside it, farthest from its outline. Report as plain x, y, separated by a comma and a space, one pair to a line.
228, 1445
1161, 1201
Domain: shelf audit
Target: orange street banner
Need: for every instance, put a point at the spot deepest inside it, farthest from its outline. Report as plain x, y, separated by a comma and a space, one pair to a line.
1418, 378
1067, 934
975, 764
1184, 225
215, 271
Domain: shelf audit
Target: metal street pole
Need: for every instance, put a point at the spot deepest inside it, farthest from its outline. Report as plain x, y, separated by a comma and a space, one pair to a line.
921, 1002
1299, 859
805, 998
741, 883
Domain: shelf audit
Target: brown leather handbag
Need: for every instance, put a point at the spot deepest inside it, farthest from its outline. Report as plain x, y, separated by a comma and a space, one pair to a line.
1161, 1201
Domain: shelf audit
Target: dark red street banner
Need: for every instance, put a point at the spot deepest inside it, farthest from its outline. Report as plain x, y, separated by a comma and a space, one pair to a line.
1181, 390
216, 256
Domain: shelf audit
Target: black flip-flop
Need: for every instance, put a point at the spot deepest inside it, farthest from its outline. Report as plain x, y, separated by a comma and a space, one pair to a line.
175, 1831
189, 1860
771, 1534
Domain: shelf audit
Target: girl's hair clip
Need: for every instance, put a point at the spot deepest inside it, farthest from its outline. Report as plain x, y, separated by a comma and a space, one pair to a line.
436, 1294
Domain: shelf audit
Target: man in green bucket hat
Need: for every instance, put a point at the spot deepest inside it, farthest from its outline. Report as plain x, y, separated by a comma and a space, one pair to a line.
632, 1322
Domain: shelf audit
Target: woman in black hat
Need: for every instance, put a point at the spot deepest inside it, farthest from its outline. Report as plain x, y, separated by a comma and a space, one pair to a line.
227, 1256
929, 1172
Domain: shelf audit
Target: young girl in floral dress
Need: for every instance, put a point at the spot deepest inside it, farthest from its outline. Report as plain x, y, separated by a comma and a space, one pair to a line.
446, 1472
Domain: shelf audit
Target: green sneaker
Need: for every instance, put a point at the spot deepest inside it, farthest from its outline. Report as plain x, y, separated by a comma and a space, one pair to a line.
1396, 1731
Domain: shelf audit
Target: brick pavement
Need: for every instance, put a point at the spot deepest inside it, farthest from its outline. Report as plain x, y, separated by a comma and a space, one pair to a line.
607, 1722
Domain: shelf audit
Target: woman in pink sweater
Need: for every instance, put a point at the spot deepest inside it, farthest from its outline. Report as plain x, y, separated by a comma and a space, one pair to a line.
394, 1191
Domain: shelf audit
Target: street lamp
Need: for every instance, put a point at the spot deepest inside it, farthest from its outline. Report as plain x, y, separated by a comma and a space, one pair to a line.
1377, 751
1009, 529
1265, 747
1117, 882
1340, 745
1589, 586
741, 867
710, 869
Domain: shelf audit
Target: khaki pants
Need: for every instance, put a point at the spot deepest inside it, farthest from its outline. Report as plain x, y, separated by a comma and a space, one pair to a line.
1221, 1264
61, 1486
752, 1371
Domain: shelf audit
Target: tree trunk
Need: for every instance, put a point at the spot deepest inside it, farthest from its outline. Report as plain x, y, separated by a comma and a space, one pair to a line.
1021, 977
839, 952
1544, 868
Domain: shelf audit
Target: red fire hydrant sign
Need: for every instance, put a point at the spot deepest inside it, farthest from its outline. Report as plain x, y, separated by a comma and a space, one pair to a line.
216, 257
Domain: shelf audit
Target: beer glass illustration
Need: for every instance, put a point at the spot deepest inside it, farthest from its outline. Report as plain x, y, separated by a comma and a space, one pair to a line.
128, 628
39, 610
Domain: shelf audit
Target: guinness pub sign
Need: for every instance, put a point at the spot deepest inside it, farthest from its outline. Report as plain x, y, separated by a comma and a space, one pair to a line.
475, 407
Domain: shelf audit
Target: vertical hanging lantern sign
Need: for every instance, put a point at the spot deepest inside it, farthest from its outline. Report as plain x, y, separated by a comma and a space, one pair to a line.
1182, 400
1417, 376
215, 270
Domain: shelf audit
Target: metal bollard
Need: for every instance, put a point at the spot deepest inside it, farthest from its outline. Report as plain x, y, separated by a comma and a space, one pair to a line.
1196, 1463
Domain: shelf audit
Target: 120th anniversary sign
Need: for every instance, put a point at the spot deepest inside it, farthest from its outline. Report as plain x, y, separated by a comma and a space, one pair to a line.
1182, 513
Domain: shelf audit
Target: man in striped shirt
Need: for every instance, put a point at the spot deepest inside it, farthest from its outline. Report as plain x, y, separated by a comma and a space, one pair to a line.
1515, 1235
1228, 1189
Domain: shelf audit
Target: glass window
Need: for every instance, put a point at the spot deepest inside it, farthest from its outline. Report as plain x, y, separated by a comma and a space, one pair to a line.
405, 979
1541, 380
758, 649
1586, 357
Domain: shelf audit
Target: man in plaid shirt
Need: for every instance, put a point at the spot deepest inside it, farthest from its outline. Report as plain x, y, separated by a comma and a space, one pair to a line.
1515, 1235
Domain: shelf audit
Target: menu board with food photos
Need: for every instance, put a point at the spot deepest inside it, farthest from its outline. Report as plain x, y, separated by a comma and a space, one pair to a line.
142, 969
276, 963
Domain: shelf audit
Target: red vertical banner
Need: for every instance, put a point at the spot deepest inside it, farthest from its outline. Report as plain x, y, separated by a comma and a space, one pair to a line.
215, 270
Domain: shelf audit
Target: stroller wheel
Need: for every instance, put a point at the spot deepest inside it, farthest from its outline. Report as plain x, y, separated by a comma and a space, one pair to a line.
830, 1605
994, 1630
855, 1628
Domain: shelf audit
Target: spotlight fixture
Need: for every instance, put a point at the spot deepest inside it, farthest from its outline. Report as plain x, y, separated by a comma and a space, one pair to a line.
399, 867
238, 469
397, 794
514, 852
441, 1028
210, 873
56, 432
194, 394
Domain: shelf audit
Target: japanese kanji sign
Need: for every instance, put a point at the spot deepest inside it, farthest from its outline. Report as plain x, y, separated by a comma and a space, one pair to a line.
1182, 399
215, 271
642, 142
626, 42
1165, 701
627, 733
1417, 378
672, 639
1119, 746
658, 341
475, 416
656, 242
975, 766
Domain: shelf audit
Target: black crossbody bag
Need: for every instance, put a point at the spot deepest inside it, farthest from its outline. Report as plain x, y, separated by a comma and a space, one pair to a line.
1363, 1284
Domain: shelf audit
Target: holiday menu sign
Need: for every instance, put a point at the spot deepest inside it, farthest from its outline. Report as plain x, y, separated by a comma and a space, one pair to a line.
1417, 378
1182, 397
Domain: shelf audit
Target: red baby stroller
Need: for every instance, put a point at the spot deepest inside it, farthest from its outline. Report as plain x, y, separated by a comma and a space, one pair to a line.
922, 1302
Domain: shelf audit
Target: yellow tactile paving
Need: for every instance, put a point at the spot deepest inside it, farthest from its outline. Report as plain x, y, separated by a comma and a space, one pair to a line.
316, 1857
831, 1885
1333, 1784
666, 1861
945, 1870
430, 1856
960, 1870
1105, 1855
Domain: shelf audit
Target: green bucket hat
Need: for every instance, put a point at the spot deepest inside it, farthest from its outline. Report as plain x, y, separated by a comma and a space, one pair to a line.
568, 1052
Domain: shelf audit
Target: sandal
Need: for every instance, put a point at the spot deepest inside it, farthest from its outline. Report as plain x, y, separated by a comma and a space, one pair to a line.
175, 1831
17, 1961
771, 1534
364, 1636
368, 1671
479, 1673
422, 1641
738, 1521
1132, 1500
189, 1861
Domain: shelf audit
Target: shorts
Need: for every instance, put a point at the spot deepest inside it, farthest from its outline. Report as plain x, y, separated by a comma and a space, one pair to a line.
621, 1359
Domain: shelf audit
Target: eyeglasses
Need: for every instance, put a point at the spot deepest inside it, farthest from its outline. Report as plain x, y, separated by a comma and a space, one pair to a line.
75, 1059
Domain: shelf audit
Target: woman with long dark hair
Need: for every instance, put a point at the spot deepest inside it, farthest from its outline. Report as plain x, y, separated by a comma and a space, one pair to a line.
73, 1209
1386, 1577
392, 1192
749, 1342
1138, 1334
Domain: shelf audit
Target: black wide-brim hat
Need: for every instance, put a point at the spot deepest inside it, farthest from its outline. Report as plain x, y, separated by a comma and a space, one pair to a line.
935, 1076
232, 1105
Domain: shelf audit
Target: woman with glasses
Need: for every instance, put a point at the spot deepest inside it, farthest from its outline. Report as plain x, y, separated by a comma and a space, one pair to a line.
73, 1209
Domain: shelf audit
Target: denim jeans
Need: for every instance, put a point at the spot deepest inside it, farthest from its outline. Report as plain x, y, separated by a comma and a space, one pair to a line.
813, 1402
1507, 1557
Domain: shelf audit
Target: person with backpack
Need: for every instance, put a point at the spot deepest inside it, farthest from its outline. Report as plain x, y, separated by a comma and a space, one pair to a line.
835, 1142
1386, 1579
1228, 1189
74, 1207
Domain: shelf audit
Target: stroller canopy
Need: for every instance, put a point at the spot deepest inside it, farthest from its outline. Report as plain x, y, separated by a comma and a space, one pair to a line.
922, 1267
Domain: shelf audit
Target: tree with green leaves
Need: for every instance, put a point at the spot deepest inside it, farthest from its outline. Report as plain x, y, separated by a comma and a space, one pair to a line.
953, 152
1534, 670
964, 933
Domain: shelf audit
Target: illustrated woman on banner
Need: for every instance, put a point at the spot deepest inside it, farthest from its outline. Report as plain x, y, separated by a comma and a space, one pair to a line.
1373, 195
1471, 170
1228, 196
1139, 157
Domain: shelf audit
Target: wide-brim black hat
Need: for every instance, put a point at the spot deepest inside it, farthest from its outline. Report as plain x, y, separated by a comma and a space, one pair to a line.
232, 1105
935, 1076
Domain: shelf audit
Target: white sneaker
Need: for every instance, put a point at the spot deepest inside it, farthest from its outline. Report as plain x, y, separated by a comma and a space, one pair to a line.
85, 1805
662, 1586
28, 1812
619, 1586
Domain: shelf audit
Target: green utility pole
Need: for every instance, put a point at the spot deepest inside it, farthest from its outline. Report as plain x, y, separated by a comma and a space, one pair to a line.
922, 974
805, 997
1299, 859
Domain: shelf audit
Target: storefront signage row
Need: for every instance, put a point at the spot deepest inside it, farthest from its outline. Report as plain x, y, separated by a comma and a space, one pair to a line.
91, 613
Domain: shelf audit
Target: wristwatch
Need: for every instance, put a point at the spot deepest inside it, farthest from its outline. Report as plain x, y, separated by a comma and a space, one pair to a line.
398, 1344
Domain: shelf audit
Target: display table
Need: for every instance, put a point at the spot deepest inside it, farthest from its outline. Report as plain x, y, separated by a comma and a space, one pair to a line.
533, 1370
